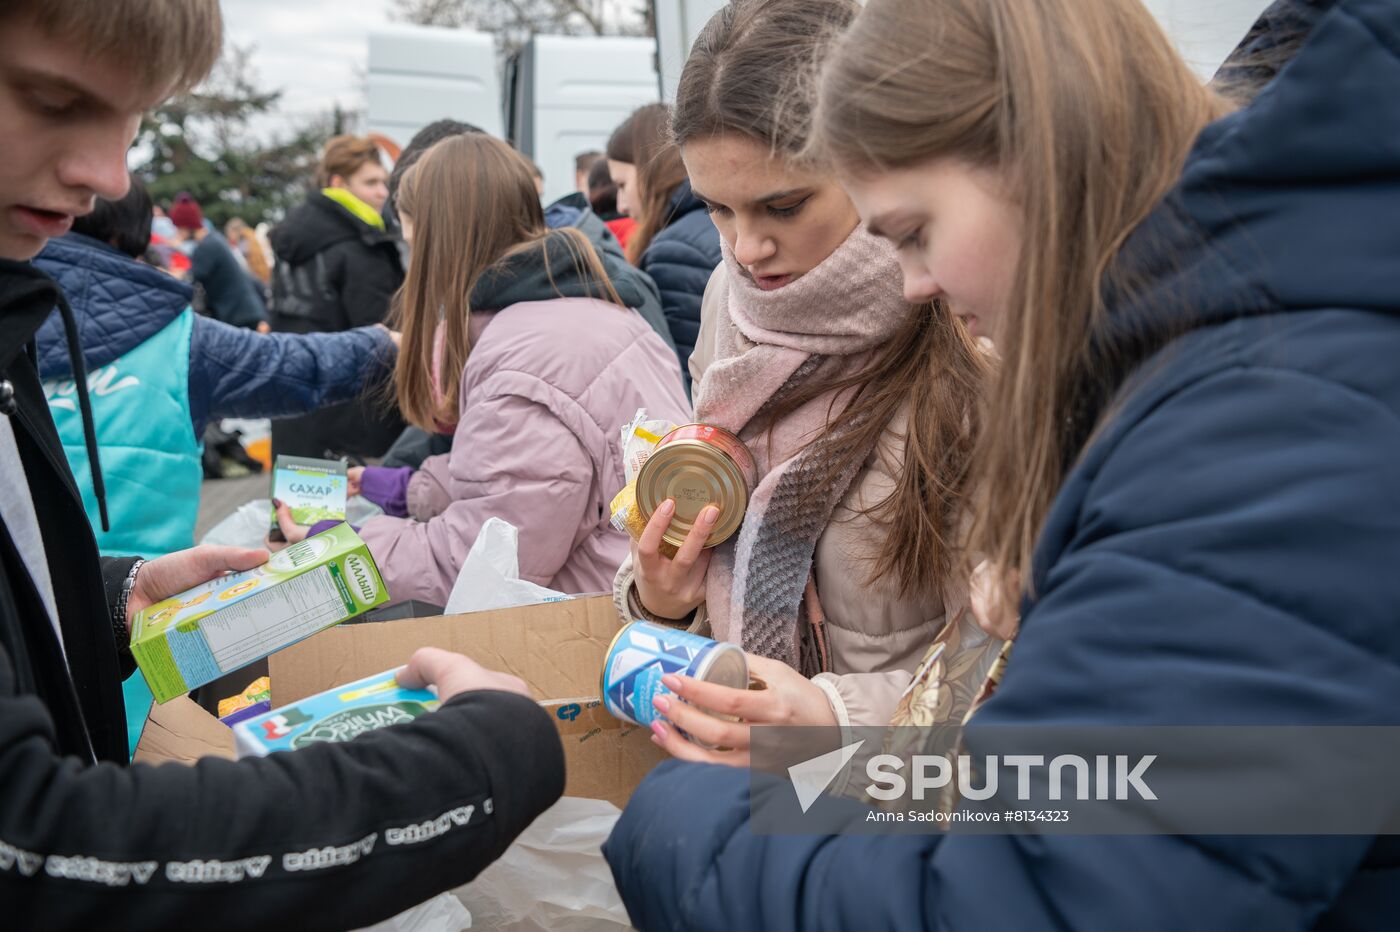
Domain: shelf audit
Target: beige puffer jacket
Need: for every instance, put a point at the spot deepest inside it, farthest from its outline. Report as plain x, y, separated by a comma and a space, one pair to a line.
876, 637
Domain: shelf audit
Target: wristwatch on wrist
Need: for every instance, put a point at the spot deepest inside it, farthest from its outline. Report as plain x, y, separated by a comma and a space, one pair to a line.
119, 626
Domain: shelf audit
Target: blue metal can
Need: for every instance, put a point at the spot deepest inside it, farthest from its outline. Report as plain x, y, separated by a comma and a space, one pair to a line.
643, 652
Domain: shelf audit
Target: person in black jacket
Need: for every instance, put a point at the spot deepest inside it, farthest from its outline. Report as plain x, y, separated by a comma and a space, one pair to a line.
338, 268
310, 837
1216, 545
680, 256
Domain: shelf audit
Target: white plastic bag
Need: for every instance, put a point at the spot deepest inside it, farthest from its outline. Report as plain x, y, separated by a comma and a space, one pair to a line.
443, 913
639, 438
248, 526
249, 430
553, 877
490, 576
554, 872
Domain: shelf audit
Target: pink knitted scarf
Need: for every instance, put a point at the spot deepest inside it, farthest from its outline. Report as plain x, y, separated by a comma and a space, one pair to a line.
824, 326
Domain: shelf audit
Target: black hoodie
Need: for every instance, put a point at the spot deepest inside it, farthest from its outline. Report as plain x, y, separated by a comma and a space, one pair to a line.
356, 269
335, 836
530, 276
334, 272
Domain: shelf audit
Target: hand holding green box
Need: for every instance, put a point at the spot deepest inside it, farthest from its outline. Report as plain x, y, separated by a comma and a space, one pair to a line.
313, 490
227, 623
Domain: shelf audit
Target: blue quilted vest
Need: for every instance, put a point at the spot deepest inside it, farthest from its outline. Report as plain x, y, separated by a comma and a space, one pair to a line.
150, 455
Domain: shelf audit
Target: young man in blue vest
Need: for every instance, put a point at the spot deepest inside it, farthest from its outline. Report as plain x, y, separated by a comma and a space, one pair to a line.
86, 841
157, 373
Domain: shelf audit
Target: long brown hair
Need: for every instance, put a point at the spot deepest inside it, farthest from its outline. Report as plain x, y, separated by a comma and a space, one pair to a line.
641, 129
473, 205
1087, 112
643, 140
751, 72
659, 175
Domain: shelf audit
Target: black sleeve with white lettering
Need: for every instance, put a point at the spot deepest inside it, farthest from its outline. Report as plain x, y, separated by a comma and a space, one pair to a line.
329, 837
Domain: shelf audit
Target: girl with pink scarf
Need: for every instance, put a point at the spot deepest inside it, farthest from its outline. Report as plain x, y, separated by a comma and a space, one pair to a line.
859, 406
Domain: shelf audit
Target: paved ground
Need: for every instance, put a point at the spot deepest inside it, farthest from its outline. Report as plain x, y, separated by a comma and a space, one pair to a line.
220, 498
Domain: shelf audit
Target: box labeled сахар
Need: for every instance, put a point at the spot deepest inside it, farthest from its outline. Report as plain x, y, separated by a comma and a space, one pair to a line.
313, 490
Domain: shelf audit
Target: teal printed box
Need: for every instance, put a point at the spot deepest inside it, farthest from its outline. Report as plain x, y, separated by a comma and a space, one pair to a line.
338, 714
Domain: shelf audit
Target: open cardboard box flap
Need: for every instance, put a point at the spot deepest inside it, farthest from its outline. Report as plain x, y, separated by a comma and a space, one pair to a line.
555, 647
182, 732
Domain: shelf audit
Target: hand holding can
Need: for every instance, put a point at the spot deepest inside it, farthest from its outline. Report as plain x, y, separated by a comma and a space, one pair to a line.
694, 467
643, 655
690, 495
672, 587
717, 718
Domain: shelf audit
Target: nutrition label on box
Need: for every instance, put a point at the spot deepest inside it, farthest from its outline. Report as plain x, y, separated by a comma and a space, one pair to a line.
257, 626
193, 637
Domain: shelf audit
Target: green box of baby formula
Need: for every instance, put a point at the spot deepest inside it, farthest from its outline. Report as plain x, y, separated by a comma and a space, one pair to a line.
227, 623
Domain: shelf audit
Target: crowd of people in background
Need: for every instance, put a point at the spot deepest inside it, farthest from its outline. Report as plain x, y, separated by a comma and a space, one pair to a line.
335, 262
1069, 380
544, 350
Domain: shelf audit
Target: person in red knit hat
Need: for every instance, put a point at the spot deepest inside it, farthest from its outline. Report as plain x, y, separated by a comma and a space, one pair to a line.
228, 291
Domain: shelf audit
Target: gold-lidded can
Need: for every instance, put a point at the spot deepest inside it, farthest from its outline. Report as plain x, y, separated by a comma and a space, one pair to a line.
696, 466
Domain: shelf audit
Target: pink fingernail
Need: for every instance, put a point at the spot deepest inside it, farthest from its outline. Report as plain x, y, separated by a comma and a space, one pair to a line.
662, 704
672, 682
667, 508
659, 730
711, 515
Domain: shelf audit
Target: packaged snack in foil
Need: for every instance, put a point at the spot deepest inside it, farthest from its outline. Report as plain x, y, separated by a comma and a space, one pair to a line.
639, 438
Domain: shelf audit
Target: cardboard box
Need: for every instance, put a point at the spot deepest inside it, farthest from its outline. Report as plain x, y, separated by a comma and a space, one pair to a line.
181, 732
215, 628
555, 647
313, 490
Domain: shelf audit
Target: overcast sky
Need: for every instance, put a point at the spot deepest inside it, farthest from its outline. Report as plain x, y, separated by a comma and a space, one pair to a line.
311, 50
315, 50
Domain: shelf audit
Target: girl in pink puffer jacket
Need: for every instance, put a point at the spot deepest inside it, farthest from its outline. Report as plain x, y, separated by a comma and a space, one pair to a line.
547, 362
